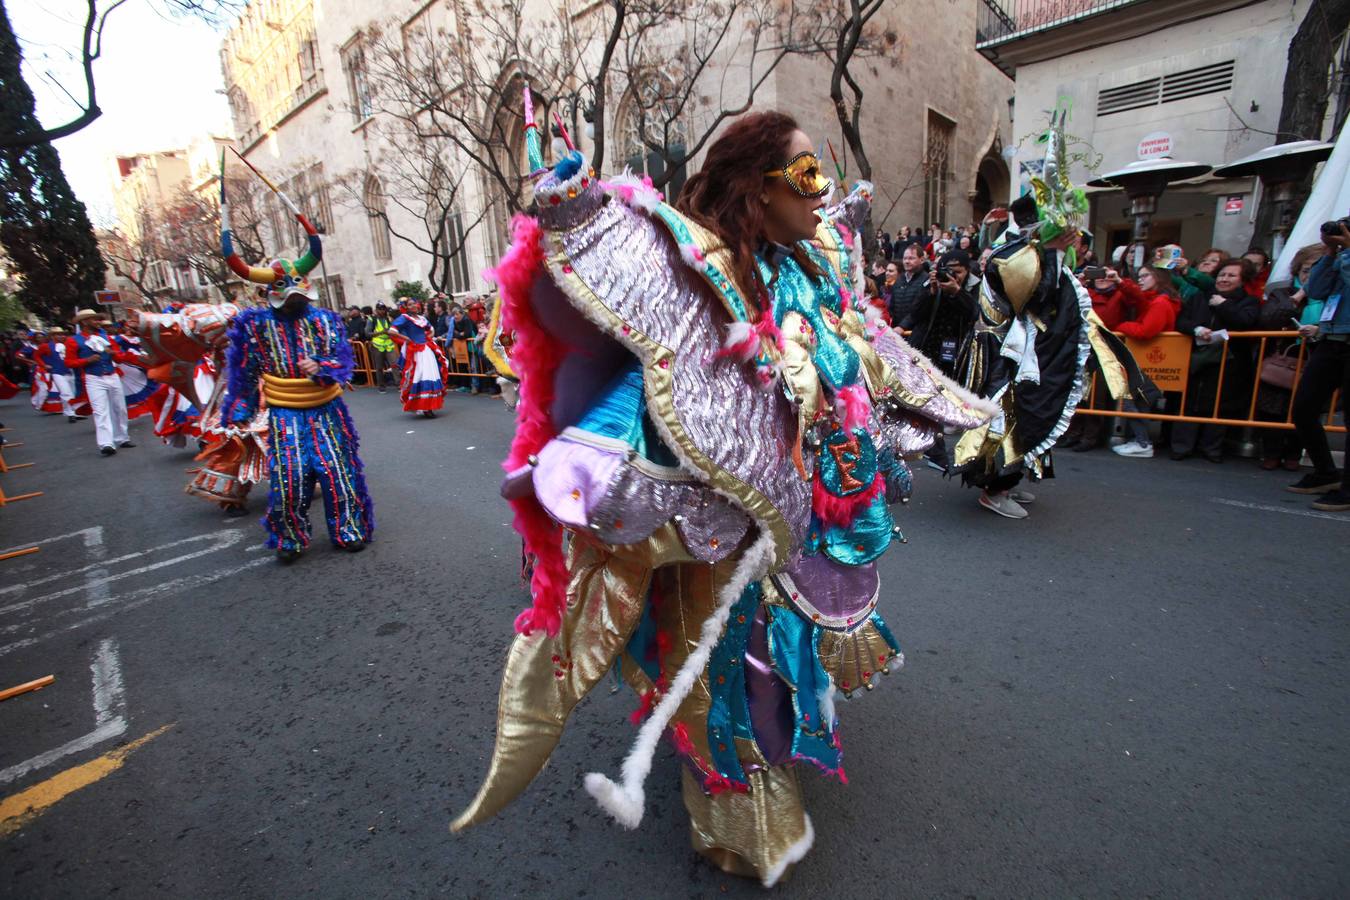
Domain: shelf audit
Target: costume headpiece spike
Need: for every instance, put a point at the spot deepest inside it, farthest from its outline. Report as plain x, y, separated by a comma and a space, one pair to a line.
1061, 207
534, 152
289, 275
562, 130
837, 168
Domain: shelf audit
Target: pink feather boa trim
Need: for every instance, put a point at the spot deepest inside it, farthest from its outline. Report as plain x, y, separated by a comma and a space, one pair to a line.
841, 511
535, 355
857, 406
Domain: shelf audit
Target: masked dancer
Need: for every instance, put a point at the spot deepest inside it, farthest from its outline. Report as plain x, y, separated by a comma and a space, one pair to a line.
296, 357
707, 417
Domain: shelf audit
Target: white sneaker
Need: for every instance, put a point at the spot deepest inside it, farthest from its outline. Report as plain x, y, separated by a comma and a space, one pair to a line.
1135, 450
1002, 504
1116, 440
1021, 495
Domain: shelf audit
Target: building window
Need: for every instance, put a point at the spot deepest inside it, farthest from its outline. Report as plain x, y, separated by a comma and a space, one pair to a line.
657, 117
458, 263
358, 84
373, 198
937, 168
331, 292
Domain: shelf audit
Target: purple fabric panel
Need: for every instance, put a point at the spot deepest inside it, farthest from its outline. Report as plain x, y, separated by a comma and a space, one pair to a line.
770, 704
571, 479
590, 358
518, 483
832, 588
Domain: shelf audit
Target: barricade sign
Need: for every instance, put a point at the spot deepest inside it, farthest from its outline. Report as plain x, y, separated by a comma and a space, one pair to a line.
1166, 359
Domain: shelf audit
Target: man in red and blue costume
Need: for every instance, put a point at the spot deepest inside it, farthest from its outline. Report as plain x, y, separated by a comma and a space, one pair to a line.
295, 358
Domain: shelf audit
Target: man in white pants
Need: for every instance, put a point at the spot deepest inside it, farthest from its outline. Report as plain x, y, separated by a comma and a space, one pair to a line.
92, 351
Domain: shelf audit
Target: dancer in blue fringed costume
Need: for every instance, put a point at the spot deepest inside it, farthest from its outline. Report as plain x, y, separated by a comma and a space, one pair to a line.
296, 358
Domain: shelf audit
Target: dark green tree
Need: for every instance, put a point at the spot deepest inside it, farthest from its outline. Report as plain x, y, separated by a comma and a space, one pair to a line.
44, 228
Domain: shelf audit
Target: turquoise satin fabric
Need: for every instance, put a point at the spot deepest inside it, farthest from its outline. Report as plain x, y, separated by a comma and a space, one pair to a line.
729, 714
843, 458
620, 412
795, 291
794, 645
863, 541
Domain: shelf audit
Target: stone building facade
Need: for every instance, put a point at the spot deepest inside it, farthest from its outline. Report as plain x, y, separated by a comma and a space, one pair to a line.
936, 118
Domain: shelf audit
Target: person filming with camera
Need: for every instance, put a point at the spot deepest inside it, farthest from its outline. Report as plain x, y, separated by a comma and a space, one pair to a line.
1327, 369
940, 322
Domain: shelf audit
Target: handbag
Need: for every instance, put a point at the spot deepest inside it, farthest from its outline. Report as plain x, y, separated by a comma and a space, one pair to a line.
1280, 370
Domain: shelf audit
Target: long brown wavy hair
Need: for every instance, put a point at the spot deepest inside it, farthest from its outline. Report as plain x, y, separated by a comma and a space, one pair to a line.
724, 196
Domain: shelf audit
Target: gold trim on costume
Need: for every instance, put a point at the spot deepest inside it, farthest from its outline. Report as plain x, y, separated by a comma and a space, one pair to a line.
297, 393
1020, 273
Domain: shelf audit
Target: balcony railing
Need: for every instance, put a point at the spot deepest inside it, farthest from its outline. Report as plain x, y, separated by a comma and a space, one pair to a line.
999, 20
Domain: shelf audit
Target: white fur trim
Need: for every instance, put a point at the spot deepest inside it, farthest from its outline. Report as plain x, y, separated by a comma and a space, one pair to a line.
638, 194
688, 252
825, 703
625, 801
793, 854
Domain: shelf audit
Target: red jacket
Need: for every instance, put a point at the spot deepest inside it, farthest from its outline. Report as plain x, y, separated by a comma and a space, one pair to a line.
1111, 307
1154, 313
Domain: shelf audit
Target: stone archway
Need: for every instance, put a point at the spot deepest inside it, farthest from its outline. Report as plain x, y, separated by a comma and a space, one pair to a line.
993, 182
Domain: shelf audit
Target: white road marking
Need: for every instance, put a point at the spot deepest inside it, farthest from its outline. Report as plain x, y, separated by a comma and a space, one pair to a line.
83, 532
96, 581
107, 562
110, 707
1308, 513
110, 699
136, 599
219, 541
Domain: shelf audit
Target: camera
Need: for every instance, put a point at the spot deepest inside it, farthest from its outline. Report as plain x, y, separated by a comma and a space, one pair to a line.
945, 274
1333, 228
1095, 272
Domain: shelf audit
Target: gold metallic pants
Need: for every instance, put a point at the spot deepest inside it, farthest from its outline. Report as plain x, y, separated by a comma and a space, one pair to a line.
760, 834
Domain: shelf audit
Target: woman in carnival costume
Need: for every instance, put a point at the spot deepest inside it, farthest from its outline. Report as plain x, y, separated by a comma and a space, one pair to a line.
292, 359
425, 371
1034, 331
708, 437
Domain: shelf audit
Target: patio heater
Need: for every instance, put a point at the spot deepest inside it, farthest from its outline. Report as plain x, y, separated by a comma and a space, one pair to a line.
1282, 169
1144, 182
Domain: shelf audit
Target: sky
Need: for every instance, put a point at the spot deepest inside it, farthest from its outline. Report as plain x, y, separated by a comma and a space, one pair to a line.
159, 85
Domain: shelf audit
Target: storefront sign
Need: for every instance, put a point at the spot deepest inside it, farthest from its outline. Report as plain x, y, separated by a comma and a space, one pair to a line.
1155, 145
1166, 359
1233, 205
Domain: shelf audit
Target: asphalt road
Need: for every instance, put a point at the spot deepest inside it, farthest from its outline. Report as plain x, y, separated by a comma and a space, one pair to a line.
1140, 691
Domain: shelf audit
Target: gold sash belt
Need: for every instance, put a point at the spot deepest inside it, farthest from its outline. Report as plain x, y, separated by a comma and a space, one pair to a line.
297, 393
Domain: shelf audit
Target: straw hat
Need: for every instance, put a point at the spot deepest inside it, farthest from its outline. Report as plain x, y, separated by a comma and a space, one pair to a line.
84, 314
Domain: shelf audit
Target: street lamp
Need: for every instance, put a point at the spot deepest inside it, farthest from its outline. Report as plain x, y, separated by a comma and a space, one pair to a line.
1282, 169
1143, 182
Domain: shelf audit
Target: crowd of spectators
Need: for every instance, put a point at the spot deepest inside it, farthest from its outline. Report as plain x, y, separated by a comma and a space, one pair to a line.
927, 282
459, 327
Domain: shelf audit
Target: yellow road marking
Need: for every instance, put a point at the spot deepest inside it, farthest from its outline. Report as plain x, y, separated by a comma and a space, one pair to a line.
25, 806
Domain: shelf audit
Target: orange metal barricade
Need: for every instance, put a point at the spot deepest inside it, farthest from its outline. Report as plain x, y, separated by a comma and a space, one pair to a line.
1171, 356
361, 355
